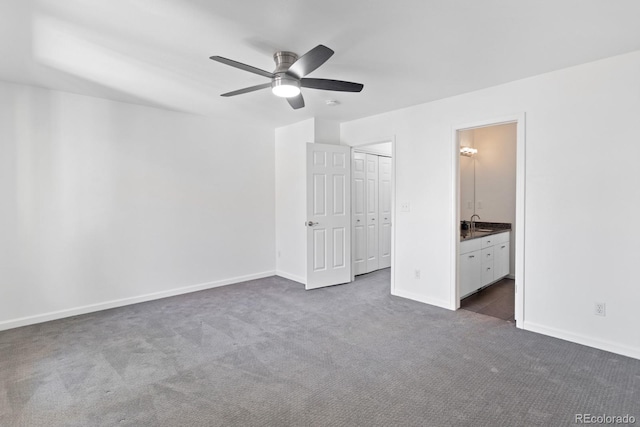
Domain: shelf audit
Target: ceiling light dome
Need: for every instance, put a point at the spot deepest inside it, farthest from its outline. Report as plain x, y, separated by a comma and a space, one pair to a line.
285, 86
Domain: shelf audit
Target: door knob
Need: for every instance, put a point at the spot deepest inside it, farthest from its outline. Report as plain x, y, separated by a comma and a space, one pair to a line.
311, 223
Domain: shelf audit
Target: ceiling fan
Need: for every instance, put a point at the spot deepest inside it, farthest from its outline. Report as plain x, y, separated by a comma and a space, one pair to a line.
289, 75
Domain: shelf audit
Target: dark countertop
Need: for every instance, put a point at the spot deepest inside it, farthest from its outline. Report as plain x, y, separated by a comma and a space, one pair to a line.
483, 229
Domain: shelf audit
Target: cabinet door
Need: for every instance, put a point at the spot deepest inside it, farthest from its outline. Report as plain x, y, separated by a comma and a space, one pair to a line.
470, 273
487, 274
501, 260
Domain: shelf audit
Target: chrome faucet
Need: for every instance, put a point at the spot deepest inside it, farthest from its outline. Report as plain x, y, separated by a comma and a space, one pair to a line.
473, 224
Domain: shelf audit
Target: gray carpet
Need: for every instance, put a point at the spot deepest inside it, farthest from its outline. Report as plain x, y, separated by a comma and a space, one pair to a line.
268, 353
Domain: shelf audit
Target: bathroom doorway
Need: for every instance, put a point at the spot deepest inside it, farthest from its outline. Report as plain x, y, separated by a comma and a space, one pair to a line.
489, 218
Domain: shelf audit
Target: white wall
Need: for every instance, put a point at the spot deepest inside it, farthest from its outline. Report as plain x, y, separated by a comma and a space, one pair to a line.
496, 172
291, 204
326, 131
495, 177
105, 203
467, 178
581, 182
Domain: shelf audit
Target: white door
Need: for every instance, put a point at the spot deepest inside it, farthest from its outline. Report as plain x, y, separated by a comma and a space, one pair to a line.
328, 215
384, 212
371, 211
359, 219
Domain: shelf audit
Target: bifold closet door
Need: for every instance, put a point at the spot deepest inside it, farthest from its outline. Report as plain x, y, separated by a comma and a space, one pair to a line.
359, 218
371, 211
384, 212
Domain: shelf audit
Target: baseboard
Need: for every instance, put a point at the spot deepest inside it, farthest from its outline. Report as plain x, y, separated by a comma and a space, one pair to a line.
291, 277
421, 298
583, 339
54, 315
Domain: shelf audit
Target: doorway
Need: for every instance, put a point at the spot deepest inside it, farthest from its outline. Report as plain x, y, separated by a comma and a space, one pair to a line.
489, 218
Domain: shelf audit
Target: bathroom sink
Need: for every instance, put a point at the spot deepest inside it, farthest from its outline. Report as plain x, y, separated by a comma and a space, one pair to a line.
474, 235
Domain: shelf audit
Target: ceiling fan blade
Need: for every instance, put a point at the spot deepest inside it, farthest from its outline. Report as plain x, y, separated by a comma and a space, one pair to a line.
296, 102
242, 66
310, 61
247, 89
336, 85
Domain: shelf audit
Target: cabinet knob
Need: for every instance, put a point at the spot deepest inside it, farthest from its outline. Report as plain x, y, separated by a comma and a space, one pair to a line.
471, 256
503, 247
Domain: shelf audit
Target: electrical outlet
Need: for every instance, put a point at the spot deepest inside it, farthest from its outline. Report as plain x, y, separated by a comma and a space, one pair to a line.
405, 206
417, 274
600, 309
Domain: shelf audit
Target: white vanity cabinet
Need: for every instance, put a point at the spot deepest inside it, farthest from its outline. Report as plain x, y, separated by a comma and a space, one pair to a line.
470, 266
483, 260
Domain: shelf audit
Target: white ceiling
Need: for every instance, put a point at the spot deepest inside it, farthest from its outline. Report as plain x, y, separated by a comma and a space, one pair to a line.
405, 52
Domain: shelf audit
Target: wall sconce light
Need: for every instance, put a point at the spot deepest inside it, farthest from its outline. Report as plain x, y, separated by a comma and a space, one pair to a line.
468, 151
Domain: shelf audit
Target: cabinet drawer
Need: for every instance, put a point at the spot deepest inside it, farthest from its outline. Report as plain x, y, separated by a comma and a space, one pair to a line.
488, 241
469, 246
502, 237
486, 255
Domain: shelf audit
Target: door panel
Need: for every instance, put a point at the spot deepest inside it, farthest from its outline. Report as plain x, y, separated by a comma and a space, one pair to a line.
384, 212
372, 212
319, 253
339, 242
319, 194
359, 219
339, 201
384, 244
328, 215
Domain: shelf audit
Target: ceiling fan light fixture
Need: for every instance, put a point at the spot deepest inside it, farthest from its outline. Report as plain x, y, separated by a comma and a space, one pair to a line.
290, 76
285, 86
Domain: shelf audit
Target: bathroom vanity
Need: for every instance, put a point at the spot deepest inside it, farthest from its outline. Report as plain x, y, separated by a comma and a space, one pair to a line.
484, 258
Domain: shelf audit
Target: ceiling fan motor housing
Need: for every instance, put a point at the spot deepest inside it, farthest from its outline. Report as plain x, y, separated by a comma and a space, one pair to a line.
284, 60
